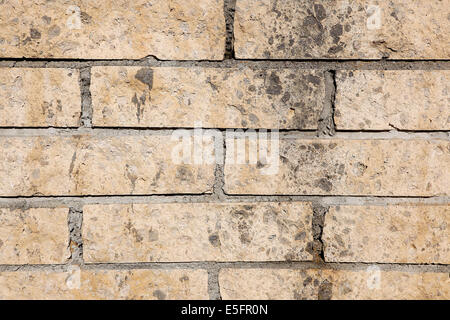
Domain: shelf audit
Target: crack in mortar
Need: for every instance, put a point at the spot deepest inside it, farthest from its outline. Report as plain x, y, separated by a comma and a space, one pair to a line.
75, 223
317, 247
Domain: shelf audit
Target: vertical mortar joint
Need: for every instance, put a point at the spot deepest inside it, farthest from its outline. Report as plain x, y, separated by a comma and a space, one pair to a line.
229, 12
318, 222
86, 99
75, 222
326, 125
213, 283
219, 175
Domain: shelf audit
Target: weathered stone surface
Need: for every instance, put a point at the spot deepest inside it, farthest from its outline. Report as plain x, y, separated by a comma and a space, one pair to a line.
197, 232
105, 284
382, 100
346, 29
313, 284
347, 167
32, 97
388, 234
34, 236
97, 165
216, 98
112, 29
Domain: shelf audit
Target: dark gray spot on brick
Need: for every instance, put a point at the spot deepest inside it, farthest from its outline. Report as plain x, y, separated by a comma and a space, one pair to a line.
35, 34
145, 75
324, 184
159, 295
184, 174
85, 18
214, 240
54, 31
320, 11
336, 32
46, 19
274, 87
325, 291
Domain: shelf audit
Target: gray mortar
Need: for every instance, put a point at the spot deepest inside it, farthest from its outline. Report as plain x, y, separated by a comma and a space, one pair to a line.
75, 242
86, 101
236, 63
229, 7
213, 281
326, 126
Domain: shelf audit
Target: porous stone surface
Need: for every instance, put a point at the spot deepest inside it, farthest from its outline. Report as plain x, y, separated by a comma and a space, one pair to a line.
113, 29
344, 29
212, 97
345, 167
177, 232
37, 97
312, 284
387, 234
387, 99
34, 236
104, 284
98, 165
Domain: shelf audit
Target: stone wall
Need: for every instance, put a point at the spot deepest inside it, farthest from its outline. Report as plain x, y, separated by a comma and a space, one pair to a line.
93, 204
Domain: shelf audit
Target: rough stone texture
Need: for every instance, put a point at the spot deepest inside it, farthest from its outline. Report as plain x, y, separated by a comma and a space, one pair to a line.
105, 284
31, 97
217, 98
34, 236
388, 234
347, 167
332, 284
112, 29
197, 232
97, 165
381, 100
345, 29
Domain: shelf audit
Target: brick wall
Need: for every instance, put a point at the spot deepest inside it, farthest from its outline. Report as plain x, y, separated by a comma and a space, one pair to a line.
93, 205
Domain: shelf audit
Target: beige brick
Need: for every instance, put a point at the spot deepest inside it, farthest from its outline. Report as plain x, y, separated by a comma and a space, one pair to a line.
197, 232
34, 236
344, 29
104, 284
33, 97
313, 284
97, 165
382, 100
216, 98
346, 167
113, 29
388, 234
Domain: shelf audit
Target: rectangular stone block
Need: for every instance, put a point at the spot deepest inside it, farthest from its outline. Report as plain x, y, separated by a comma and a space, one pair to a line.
177, 232
387, 99
378, 167
34, 236
341, 29
113, 29
212, 97
313, 284
76, 284
102, 164
35, 97
388, 234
